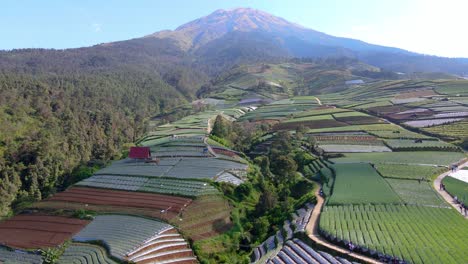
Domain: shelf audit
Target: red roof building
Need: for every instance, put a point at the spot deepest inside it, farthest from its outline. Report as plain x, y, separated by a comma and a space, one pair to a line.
140, 153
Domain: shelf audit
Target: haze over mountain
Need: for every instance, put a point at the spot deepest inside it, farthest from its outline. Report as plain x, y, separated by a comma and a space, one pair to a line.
225, 38
226, 31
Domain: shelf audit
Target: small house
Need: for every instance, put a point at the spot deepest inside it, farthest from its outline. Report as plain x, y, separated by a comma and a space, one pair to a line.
142, 153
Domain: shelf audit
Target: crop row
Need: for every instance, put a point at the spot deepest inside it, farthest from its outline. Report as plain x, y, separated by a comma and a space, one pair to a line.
154, 185
15, 256
120, 233
80, 253
407, 144
359, 183
416, 234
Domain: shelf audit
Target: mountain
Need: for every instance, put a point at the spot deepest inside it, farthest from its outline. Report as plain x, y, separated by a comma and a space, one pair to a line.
239, 31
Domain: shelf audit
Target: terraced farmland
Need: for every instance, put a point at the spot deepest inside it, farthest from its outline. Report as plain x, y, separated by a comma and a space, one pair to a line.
456, 130
164, 206
206, 217
411, 158
150, 184
81, 253
407, 144
137, 239
359, 183
8, 256
404, 171
415, 234
181, 168
38, 231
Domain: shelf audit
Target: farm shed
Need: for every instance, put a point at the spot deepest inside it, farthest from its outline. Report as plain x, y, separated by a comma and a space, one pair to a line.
140, 153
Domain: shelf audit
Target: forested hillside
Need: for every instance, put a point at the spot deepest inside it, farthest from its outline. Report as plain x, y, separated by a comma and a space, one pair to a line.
52, 124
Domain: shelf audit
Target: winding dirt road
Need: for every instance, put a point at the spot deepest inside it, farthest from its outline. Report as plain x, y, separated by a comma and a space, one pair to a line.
312, 231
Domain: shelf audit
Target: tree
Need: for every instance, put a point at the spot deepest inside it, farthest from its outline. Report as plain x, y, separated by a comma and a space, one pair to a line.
284, 167
221, 127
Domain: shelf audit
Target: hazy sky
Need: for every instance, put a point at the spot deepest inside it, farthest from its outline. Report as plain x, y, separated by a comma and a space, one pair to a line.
425, 26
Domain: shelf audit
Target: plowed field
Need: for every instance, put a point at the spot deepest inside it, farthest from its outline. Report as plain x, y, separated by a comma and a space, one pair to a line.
38, 231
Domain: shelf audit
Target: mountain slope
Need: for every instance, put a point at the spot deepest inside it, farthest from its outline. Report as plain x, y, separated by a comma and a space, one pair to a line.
253, 28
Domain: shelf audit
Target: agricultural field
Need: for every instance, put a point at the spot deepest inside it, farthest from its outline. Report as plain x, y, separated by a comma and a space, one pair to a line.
442, 158
179, 187
180, 168
416, 192
38, 231
453, 88
456, 187
133, 238
432, 122
206, 217
163, 206
414, 145
352, 148
9, 256
456, 130
401, 231
359, 183
81, 253
404, 171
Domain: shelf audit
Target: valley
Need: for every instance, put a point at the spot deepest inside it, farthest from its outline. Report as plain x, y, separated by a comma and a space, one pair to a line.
238, 137
368, 149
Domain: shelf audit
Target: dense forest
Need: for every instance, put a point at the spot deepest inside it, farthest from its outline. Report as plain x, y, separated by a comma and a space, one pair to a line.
53, 124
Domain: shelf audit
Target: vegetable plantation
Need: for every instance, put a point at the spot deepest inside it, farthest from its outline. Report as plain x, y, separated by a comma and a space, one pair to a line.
120, 233
404, 171
412, 158
457, 188
416, 192
416, 234
359, 183
150, 184
80, 253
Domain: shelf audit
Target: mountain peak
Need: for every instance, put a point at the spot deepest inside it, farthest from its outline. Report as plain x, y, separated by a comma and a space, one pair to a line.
221, 22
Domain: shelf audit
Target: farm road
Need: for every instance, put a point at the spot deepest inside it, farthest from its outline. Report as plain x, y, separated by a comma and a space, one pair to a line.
312, 231
447, 197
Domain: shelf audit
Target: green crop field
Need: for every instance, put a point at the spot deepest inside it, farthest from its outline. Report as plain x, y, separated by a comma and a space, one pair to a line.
310, 118
346, 114
359, 183
402, 171
413, 158
416, 234
416, 192
408, 144
456, 130
453, 88
325, 111
456, 188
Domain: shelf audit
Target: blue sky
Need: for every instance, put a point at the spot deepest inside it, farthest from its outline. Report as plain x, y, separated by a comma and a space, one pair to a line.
425, 26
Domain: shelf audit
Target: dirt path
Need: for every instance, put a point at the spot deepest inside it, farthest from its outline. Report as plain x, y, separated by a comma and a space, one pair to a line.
447, 197
312, 231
